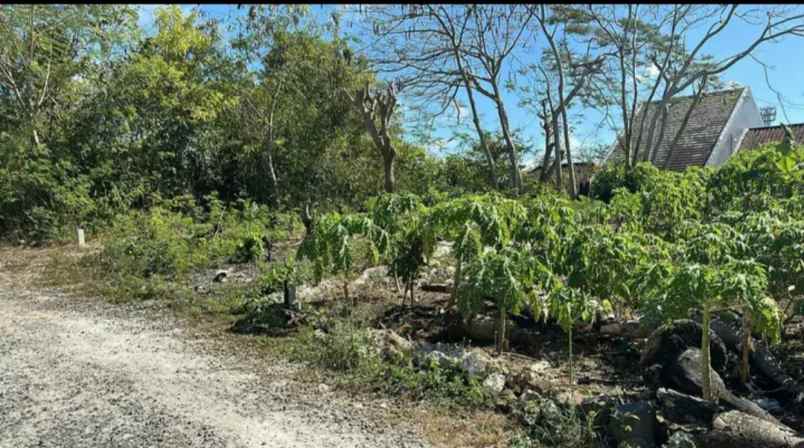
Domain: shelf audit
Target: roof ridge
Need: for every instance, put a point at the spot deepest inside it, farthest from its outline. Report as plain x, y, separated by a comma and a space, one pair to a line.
778, 125
715, 93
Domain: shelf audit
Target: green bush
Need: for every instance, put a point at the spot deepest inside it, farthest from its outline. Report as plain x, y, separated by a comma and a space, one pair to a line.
771, 171
177, 236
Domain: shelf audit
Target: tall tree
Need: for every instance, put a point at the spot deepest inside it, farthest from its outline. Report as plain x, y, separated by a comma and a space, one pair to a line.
377, 109
495, 33
443, 50
424, 45
45, 49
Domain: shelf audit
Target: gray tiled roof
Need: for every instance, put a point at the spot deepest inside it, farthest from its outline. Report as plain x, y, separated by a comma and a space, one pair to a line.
705, 125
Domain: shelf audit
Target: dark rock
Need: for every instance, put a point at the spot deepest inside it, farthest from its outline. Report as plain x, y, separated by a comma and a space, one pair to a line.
599, 409
652, 376
629, 328
728, 327
672, 339
686, 375
682, 408
634, 425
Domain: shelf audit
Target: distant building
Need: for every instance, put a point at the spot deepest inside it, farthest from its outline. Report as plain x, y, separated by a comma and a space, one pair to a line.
713, 133
756, 137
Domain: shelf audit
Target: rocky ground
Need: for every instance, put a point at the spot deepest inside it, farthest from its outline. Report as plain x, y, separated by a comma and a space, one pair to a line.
80, 372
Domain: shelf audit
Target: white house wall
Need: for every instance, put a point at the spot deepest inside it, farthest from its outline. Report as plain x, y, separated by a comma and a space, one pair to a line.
745, 115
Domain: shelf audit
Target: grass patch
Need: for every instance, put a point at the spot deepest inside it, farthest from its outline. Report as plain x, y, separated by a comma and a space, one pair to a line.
348, 349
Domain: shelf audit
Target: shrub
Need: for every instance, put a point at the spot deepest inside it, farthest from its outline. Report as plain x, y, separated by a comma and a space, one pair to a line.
771, 171
549, 425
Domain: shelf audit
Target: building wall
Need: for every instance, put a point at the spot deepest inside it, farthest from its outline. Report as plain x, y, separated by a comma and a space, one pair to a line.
745, 115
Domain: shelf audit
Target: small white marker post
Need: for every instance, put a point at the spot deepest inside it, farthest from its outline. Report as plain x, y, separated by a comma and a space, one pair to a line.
81, 241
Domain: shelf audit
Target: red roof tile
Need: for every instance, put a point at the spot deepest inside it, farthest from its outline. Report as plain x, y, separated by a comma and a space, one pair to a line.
756, 137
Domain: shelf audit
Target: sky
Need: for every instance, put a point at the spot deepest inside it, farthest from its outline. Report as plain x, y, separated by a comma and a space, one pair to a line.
785, 70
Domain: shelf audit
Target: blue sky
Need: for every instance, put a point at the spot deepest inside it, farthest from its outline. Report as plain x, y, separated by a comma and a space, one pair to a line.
784, 59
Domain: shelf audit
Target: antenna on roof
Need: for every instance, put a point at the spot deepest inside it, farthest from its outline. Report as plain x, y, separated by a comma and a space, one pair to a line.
768, 114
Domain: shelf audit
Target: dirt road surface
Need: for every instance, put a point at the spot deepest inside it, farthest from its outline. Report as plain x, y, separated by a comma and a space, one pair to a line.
82, 373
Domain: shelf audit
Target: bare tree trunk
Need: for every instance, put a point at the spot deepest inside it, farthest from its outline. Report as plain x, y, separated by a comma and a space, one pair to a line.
270, 162
269, 146
482, 136
513, 159
573, 182
501, 332
548, 146
660, 110
447, 26
695, 102
453, 298
389, 157
476, 120
559, 151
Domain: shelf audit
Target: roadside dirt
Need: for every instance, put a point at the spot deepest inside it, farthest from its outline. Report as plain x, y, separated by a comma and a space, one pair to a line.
81, 372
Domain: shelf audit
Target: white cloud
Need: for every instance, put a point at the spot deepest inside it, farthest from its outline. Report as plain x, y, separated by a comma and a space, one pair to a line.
648, 73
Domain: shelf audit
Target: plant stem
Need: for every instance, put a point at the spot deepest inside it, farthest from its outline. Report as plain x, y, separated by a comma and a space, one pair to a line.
746, 348
453, 298
571, 368
501, 328
706, 372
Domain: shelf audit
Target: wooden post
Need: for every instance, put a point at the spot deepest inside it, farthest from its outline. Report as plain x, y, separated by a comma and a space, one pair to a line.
81, 241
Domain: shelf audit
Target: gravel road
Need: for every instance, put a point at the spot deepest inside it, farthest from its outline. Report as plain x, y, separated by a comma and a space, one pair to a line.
82, 373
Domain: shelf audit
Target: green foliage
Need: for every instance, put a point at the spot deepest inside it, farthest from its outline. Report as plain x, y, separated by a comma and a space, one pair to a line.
612, 265
288, 271
506, 276
402, 219
350, 349
549, 425
178, 236
648, 199
750, 177
332, 244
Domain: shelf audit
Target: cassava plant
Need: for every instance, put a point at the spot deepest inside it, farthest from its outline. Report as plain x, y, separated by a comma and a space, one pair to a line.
472, 223
505, 276
402, 217
331, 245
709, 288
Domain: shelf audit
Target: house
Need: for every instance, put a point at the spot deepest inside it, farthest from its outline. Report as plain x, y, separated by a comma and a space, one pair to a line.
713, 132
756, 137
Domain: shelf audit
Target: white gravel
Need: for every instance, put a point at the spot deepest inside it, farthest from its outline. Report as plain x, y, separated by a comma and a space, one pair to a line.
83, 373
